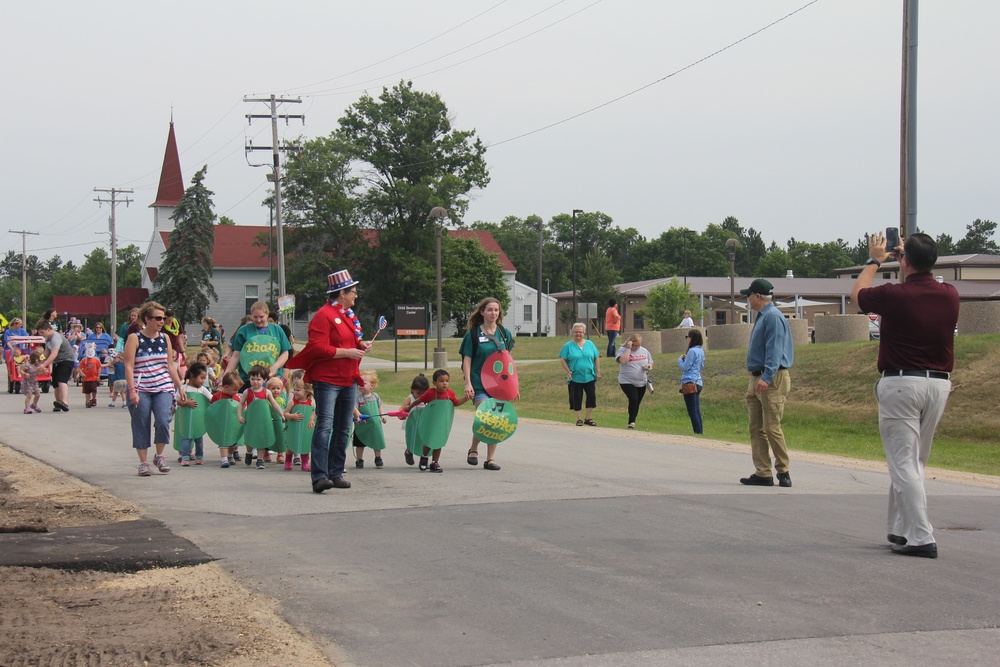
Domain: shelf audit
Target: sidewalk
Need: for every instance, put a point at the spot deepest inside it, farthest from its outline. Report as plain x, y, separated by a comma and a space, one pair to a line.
590, 547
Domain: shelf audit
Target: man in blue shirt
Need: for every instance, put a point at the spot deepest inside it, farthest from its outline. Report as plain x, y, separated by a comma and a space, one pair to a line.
769, 356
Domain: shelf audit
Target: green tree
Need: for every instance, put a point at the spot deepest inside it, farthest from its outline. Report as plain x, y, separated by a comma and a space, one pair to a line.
184, 281
945, 245
596, 282
390, 162
320, 213
94, 275
225, 220
129, 272
774, 264
978, 239
666, 303
472, 274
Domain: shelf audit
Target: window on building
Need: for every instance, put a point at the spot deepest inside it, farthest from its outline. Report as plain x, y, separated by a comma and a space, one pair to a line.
528, 312
251, 293
720, 317
637, 322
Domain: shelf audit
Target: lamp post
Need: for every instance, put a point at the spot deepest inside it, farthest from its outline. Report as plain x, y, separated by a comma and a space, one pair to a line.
440, 355
686, 232
538, 314
575, 211
732, 244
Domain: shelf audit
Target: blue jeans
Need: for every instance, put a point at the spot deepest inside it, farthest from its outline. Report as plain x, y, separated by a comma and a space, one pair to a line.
693, 403
612, 337
334, 414
155, 408
199, 446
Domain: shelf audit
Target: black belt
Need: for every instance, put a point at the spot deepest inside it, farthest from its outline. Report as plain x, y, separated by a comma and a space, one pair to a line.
936, 375
757, 374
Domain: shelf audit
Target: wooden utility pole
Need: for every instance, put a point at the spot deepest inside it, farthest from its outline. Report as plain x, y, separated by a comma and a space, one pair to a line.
908, 124
114, 201
24, 277
275, 176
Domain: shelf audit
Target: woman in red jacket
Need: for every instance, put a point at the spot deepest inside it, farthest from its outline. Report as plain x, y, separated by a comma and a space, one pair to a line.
332, 361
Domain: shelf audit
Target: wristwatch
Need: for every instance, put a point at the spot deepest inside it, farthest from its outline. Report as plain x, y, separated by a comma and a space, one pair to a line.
872, 260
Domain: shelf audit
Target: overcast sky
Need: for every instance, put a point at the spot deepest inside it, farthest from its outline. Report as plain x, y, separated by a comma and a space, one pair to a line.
795, 130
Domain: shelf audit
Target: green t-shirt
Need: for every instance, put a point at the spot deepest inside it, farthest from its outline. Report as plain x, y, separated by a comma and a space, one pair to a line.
485, 348
248, 331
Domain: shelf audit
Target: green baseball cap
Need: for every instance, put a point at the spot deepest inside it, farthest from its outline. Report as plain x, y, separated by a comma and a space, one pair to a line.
759, 286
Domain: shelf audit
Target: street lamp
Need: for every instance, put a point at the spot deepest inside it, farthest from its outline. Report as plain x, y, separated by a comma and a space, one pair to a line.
732, 244
538, 314
440, 355
575, 211
686, 232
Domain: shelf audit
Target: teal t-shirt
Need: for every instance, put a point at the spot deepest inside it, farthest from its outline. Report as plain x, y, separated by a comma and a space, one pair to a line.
248, 331
485, 348
582, 362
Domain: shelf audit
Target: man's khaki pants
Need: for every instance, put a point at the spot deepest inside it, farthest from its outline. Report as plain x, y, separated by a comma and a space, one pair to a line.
765, 410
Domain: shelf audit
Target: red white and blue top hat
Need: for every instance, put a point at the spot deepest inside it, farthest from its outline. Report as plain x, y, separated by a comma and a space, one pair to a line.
339, 280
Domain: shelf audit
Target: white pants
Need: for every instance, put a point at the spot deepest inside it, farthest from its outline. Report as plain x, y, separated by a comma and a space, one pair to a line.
909, 409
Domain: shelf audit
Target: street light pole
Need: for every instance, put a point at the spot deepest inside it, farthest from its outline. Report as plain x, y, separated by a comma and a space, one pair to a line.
732, 244
575, 211
538, 314
440, 355
686, 232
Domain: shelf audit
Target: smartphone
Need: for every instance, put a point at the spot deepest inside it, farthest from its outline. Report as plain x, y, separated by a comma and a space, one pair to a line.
891, 239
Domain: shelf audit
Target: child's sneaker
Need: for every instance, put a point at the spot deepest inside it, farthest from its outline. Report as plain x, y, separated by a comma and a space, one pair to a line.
161, 464
247, 459
27, 411
423, 463
124, 404
280, 458
267, 457
409, 457
359, 463
199, 460
436, 467
225, 463
296, 460
185, 461
112, 405
36, 408
236, 456
378, 461
260, 464
144, 470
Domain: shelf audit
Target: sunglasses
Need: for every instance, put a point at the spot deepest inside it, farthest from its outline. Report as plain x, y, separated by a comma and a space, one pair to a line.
158, 318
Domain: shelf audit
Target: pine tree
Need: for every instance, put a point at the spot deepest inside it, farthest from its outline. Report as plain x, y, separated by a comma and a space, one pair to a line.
184, 281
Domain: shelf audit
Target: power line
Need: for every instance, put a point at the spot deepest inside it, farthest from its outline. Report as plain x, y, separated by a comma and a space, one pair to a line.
660, 80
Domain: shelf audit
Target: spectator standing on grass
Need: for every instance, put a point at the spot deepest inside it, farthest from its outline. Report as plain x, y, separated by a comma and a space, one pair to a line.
633, 376
691, 363
582, 362
915, 357
612, 325
769, 356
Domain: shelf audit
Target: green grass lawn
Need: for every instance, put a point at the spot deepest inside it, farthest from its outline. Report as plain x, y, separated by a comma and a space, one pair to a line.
831, 409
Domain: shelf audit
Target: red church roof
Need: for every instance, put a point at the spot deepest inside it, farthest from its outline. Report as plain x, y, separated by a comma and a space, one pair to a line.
171, 180
234, 247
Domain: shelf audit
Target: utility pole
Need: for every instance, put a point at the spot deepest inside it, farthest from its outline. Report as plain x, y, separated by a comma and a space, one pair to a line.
24, 276
275, 176
114, 201
908, 129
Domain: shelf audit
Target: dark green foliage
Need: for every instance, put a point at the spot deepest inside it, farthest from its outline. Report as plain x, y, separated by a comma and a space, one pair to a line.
184, 281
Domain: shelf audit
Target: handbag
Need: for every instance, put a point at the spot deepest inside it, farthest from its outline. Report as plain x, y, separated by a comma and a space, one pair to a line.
689, 388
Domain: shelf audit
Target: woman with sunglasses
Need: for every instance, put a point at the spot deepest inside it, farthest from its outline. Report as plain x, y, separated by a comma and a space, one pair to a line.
152, 379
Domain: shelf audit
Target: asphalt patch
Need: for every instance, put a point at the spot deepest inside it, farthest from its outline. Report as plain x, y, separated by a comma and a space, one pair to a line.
128, 546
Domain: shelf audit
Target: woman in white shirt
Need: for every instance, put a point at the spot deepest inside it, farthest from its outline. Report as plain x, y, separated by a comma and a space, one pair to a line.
635, 362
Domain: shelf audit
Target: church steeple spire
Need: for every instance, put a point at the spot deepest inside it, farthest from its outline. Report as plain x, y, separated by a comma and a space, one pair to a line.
171, 180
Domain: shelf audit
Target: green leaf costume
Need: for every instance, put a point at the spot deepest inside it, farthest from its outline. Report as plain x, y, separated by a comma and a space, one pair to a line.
259, 429
370, 432
190, 422
435, 423
298, 435
224, 427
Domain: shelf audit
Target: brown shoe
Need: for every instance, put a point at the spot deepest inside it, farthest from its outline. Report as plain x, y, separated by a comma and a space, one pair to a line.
340, 483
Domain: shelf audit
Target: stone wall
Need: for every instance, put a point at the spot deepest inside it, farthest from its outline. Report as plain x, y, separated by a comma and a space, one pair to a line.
979, 317
728, 336
841, 328
800, 331
674, 341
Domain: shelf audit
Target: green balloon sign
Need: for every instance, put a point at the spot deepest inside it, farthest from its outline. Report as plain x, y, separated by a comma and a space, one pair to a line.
495, 421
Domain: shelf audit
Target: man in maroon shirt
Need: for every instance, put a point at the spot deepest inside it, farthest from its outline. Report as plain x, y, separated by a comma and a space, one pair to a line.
915, 358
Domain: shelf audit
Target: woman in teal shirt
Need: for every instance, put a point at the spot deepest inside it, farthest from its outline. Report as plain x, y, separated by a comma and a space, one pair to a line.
485, 332
582, 363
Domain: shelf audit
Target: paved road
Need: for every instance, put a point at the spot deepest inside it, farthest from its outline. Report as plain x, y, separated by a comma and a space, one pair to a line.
592, 547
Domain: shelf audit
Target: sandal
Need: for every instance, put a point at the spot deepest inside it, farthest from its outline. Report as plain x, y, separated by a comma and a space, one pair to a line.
590, 422
579, 422
491, 465
473, 458
423, 463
